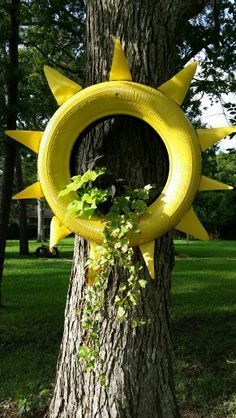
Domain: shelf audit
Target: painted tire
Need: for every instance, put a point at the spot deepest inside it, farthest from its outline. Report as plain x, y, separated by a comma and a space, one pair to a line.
131, 99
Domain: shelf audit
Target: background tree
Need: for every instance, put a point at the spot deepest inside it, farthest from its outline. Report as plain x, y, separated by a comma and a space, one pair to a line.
22, 209
52, 33
217, 210
9, 53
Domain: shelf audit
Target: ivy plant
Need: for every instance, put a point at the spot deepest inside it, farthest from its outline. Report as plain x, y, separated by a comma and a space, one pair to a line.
88, 197
120, 221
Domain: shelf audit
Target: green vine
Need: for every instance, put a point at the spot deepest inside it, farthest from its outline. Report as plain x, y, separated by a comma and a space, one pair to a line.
120, 223
88, 197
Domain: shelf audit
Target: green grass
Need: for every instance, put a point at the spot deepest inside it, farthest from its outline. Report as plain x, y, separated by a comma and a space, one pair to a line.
203, 324
34, 292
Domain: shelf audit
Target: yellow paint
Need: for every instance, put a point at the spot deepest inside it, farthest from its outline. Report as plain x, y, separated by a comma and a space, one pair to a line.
210, 184
191, 225
209, 137
62, 87
57, 232
30, 139
119, 98
177, 87
32, 192
119, 68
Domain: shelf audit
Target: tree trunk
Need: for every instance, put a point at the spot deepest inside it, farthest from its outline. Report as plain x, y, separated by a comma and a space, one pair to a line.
22, 208
10, 146
40, 217
137, 361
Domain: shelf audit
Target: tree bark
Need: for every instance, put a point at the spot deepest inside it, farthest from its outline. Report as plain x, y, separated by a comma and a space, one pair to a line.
22, 210
40, 219
10, 146
137, 361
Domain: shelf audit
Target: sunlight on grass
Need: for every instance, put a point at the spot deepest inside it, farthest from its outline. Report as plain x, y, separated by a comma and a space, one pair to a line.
203, 323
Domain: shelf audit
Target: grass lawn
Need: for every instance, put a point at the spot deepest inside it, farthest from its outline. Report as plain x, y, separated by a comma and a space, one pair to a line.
204, 326
203, 323
34, 291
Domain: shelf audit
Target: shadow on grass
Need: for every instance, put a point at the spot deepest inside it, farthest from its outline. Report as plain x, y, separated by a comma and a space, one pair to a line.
204, 334
205, 353
205, 249
30, 331
15, 255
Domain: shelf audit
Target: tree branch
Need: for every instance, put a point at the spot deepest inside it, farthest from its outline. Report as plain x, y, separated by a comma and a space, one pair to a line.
190, 8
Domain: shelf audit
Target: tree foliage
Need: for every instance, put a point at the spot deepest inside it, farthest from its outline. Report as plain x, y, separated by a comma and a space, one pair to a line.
217, 210
210, 38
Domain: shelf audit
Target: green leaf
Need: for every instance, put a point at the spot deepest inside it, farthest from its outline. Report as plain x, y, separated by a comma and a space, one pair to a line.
102, 379
143, 283
92, 175
139, 206
69, 188
121, 312
74, 207
44, 393
148, 187
122, 218
124, 248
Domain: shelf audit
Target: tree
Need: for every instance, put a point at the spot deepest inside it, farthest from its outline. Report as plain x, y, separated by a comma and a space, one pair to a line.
226, 164
11, 19
40, 230
137, 361
210, 38
22, 210
217, 210
52, 33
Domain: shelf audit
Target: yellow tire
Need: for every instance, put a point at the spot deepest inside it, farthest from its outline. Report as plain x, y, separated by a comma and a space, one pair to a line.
131, 99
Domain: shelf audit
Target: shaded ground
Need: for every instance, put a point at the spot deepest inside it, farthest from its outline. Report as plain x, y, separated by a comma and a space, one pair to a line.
10, 410
204, 328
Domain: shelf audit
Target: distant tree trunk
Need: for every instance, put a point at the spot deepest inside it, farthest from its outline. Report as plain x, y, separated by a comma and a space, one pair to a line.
40, 217
22, 208
10, 146
137, 361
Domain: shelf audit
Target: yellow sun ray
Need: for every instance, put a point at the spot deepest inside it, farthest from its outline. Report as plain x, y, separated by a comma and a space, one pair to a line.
191, 225
57, 232
31, 192
30, 139
177, 87
209, 184
147, 250
119, 68
62, 87
209, 137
